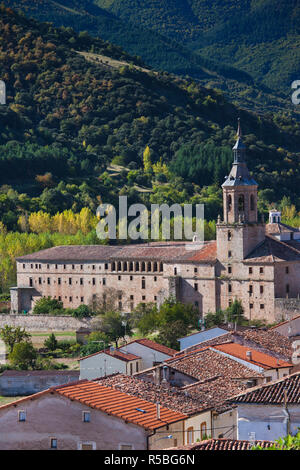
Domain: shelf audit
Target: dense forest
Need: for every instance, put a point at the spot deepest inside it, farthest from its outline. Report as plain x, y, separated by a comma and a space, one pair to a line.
260, 37
179, 37
78, 130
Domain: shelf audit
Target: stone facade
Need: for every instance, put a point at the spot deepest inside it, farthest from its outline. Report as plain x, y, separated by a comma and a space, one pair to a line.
250, 261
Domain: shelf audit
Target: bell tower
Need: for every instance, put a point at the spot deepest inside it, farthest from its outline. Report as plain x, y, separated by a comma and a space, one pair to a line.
240, 231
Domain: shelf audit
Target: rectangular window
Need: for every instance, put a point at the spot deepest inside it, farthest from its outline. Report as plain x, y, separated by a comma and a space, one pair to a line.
229, 288
24, 266
251, 305
104, 281
143, 284
287, 288
70, 281
81, 281
261, 289
195, 270
81, 267
93, 267
48, 266
229, 269
22, 415
229, 254
40, 280
86, 417
131, 278
30, 282
71, 299
94, 281
106, 266
250, 270
81, 299
48, 280
250, 289
119, 278
53, 443
65, 266
261, 270
59, 281
262, 306
287, 270
196, 287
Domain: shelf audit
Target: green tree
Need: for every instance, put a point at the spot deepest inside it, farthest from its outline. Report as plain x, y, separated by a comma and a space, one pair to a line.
171, 332
23, 356
46, 305
113, 326
12, 336
51, 342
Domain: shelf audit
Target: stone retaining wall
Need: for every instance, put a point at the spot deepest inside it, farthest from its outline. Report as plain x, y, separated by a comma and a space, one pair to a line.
45, 322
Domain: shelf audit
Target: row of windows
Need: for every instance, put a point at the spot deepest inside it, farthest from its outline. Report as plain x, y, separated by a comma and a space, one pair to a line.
86, 416
122, 266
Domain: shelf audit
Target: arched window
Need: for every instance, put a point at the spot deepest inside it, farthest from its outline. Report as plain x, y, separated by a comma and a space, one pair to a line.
137, 266
119, 266
149, 266
143, 266
155, 266
131, 266
113, 266
241, 203
125, 266
161, 267
229, 235
229, 202
252, 203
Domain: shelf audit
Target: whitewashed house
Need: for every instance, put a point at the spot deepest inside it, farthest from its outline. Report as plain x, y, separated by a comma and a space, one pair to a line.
269, 411
108, 362
151, 353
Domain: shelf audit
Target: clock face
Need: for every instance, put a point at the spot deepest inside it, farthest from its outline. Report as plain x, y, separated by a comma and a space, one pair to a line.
2, 93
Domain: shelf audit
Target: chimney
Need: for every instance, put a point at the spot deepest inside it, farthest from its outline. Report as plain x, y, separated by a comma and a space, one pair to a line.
249, 355
158, 410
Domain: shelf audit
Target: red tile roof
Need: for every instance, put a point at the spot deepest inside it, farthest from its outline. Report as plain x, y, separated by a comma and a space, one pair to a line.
168, 396
272, 250
123, 356
224, 444
206, 363
152, 345
114, 402
258, 358
273, 393
160, 251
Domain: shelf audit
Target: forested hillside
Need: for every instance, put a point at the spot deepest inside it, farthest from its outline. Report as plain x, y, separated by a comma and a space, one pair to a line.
260, 37
80, 128
167, 35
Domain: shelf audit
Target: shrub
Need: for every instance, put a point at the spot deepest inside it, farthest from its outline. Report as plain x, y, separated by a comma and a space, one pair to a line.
47, 305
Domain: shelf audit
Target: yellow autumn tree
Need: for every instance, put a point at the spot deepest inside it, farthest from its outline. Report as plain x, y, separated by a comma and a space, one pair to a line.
147, 159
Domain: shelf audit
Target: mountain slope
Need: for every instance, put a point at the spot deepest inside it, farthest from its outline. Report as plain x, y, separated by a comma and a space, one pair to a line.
72, 118
156, 50
259, 36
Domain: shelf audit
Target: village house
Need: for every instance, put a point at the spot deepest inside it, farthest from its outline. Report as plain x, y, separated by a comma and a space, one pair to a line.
88, 416
269, 411
108, 362
269, 366
257, 263
133, 357
210, 379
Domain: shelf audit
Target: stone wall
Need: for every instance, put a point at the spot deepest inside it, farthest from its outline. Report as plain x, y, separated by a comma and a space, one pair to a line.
45, 322
286, 309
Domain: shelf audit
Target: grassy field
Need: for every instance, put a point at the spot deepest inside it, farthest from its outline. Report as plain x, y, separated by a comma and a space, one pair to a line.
5, 400
39, 337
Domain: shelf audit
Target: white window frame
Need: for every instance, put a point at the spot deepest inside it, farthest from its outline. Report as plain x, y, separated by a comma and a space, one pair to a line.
53, 439
19, 414
126, 444
87, 443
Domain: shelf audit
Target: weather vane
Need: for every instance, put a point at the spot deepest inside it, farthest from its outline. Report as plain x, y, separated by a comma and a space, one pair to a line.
2, 92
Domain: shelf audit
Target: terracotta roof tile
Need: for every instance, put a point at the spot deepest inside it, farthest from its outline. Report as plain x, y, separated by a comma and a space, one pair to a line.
224, 444
168, 396
123, 356
273, 392
160, 251
122, 405
206, 363
153, 345
258, 358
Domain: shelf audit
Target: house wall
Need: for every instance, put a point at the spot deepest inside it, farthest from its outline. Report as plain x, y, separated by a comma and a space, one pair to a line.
149, 356
225, 424
195, 422
291, 328
101, 365
268, 422
54, 416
